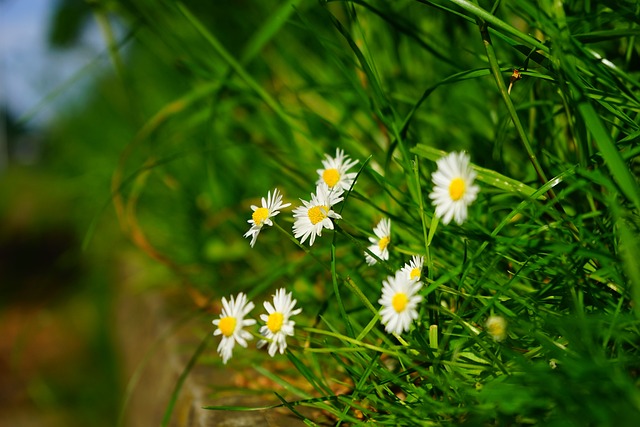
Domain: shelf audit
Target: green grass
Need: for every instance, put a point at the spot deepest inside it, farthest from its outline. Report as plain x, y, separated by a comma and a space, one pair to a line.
231, 102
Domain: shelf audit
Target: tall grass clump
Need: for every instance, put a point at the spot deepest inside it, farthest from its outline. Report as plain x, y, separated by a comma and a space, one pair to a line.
442, 200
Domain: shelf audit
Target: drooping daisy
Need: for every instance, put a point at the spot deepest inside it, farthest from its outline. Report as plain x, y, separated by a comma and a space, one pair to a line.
278, 322
497, 327
335, 173
315, 215
262, 215
231, 324
380, 242
399, 302
413, 269
453, 188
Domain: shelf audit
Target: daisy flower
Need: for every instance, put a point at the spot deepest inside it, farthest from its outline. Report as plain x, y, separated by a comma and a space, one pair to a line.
497, 327
231, 323
278, 323
381, 242
453, 187
335, 174
399, 302
413, 269
262, 215
315, 215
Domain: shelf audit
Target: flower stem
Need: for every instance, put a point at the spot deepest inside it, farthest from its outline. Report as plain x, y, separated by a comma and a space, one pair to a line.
504, 92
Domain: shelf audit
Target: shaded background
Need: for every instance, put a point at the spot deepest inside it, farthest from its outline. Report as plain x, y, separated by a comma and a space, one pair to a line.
58, 363
72, 274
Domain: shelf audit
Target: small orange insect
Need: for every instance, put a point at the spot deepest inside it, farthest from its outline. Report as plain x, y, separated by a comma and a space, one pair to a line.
514, 76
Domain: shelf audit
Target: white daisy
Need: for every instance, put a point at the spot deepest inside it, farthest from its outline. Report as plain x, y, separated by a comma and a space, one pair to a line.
278, 323
399, 302
231, 323
453, 187
335, 174
497, 327
315, 215
380, 242
413, 269
262, 215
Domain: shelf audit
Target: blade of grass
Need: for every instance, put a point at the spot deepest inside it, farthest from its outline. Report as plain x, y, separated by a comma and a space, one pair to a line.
379, 99
498, 24
238, 68
457, 77
271, 26
183, 376
504, 92
137, 374
282, 382
353, 341
612, 157
317, 382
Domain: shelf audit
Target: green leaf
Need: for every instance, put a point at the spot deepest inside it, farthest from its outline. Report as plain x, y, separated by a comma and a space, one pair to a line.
498, 24
612, 157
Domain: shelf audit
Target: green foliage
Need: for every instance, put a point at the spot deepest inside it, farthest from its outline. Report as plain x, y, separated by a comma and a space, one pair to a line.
226, 103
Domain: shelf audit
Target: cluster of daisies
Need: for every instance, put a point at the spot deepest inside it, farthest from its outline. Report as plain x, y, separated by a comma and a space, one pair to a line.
453, 191
277, 323
317, 213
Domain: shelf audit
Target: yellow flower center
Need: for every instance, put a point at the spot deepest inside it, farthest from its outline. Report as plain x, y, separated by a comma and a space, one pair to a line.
331, 177
399, 302
415, 273
259, 215
317, 214
384, 242
274, 322
497, 328
227, 325
456, 189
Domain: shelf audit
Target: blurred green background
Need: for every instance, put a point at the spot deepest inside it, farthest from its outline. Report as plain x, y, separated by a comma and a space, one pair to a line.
97, 206
60, 360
